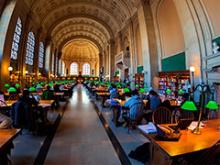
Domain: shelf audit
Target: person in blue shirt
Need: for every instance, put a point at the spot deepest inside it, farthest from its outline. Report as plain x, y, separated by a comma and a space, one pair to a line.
154, 100
136, 106
113, 91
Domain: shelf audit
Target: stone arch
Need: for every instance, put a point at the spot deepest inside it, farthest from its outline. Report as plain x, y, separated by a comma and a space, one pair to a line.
170, 30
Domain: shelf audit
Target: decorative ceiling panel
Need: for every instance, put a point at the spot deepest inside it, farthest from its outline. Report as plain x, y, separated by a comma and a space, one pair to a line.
96, 20
79, 50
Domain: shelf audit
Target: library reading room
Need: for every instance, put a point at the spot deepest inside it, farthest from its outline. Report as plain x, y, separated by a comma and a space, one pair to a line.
109, 82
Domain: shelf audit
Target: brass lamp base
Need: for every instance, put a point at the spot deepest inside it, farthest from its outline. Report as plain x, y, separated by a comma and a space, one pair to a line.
196, 131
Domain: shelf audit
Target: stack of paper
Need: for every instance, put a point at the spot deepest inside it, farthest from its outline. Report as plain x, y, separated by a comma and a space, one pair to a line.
194, 124
148, 128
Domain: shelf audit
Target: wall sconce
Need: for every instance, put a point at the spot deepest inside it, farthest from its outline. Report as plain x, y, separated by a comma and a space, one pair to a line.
26, 72
192, 71
10, 69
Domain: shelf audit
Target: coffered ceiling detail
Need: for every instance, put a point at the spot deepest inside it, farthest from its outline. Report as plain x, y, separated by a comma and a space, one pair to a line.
80, 50
84, 21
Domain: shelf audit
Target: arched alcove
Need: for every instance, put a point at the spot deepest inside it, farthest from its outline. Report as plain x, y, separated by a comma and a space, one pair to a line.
171, 35
212, 8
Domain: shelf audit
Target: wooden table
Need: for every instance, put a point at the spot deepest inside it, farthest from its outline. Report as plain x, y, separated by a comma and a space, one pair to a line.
165, 152
45, 103
6, 138
103, 95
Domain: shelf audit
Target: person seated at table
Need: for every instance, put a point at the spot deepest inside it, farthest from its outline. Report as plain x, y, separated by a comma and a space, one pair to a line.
48, 94
5, 121
166, 104
113, 91
154, 100
136, 107
56, 88
61, 87
23, 111
142, 95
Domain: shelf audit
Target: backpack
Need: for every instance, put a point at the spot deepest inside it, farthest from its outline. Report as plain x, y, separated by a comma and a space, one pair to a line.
141, 153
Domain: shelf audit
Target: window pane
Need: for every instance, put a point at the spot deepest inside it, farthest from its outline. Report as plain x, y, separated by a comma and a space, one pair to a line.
41, 55
30, 49
16, 40
74, 69
86, 69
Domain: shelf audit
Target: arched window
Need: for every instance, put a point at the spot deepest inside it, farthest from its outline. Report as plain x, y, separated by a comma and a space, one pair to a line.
86, 69
41, 55
47, 58
30, 49
74, 69
16, 40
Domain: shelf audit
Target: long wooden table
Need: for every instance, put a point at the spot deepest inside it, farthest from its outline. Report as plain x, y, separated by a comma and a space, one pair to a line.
6, 138
43, 103
165, 152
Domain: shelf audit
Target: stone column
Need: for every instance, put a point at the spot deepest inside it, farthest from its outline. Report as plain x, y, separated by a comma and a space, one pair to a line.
111, 58
144, 43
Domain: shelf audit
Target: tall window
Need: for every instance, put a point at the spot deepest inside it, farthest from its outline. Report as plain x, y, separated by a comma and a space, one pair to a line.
30, 49
16, 40
86, 69
74, 69
41, 55
47, 58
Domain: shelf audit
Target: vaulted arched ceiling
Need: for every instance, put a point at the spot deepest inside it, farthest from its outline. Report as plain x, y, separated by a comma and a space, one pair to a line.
97, 21
80, 50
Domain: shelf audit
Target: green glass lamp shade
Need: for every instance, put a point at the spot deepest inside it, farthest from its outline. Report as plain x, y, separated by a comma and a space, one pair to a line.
17, 85
189, 105
126, 90
180, 92
12, 89
32, 89
118, 86
39, 86
168, 91
212, 105
141, 90
6, 85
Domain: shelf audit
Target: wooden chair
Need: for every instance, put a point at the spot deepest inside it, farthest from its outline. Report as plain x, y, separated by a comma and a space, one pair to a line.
213, 114
162, 115
13, 96
183, 114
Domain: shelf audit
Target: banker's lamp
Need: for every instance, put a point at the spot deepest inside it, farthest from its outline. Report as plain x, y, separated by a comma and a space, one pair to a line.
189, 106
7, 86
212, 105
126, 90
17, 85
32, 89
12, 90
141, 90
168, 91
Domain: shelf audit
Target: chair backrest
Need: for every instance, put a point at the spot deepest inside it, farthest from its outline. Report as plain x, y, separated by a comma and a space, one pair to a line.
213, 114
183, 114
14, 96
161, 115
